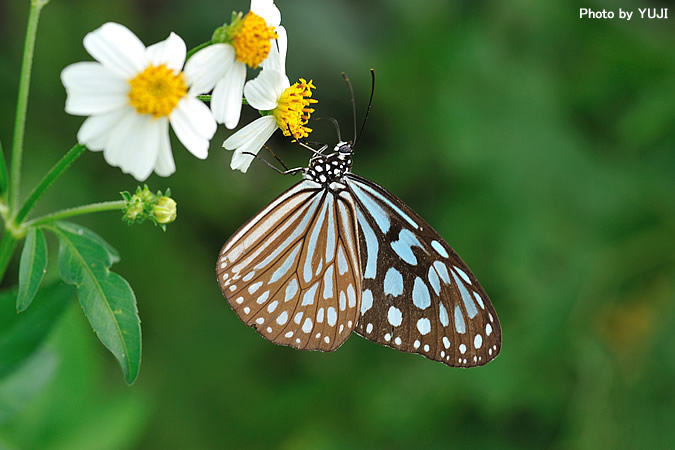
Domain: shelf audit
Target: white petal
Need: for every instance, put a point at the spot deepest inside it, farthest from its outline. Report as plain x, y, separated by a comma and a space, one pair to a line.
276, 59
227, 95
282, 44
264, 91
193, 124
117, 48
164, 166
134, 144
260, 132
92, 76
170, 52
246, 134
268, 11
207, 66
93, 89
95, 131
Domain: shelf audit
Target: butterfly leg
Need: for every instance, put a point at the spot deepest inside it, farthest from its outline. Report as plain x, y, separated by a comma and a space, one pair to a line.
272, 166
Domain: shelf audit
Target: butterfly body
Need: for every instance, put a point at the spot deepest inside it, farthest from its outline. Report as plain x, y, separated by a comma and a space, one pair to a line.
337, 253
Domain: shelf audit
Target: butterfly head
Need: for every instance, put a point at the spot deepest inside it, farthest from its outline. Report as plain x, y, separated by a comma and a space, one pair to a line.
344, 150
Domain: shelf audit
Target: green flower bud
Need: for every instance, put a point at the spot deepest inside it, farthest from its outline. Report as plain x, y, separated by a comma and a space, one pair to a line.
165, 210
158, 208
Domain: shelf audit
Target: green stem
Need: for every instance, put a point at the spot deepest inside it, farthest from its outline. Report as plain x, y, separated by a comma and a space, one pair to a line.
7, 246
77, 211
48, 180
22, 101
197, 48
3, 176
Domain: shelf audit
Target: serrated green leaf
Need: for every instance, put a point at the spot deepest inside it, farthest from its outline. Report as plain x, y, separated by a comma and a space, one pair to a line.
90, 235
106, 298
21, 334
32, 268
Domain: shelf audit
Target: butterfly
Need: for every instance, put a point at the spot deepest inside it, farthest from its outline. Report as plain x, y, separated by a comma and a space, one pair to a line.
336, 253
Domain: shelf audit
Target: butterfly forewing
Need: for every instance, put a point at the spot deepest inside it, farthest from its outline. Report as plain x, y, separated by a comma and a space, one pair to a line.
418, 295
293, 271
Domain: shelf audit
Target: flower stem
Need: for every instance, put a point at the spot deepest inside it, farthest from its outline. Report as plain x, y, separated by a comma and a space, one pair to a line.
3, 176
7, 246
77, 211
48, 180
22, 102
197, 48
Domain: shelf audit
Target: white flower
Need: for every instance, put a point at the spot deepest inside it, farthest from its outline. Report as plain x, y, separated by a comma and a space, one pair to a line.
131, 95
221, 67
285, 106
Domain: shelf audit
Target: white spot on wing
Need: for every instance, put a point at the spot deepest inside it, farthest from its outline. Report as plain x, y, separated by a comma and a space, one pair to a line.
307, 326
479, 300
462, 274
328, 282
439, 248
332, 316
291, 290
263, 297
254, 287
424, 326
443, 315
460, 326
351, 295
283, 318
394, 316
249, 276
308, 298
272, 306
342, 262
393, 282
420, 294
366, 301
446, 342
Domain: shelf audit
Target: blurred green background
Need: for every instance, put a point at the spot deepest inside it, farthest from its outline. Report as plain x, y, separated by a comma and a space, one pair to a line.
540, 145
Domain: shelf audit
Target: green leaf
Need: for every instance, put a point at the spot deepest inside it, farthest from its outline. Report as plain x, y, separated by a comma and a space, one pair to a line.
106, 298
32, 268
21, 334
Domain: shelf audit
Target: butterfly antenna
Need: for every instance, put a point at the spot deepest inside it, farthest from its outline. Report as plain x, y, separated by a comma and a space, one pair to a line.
351, 92
370, 104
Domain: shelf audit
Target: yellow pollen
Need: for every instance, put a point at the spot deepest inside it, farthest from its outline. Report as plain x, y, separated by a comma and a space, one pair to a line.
251, 40
157, 90
293, 112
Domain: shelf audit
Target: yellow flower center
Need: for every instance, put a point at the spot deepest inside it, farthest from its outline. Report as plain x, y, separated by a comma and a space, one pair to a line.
293, 112
251, 40
157, 90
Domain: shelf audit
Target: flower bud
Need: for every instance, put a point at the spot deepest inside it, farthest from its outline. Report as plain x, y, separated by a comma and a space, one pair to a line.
164, 210
158, 208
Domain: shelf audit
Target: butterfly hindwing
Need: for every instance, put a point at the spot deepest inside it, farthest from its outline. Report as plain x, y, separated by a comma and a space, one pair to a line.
292, 272
418, 295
